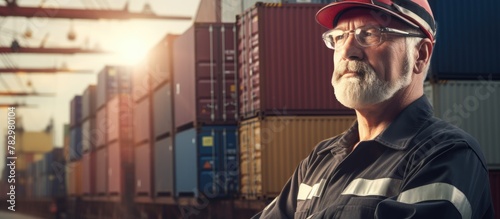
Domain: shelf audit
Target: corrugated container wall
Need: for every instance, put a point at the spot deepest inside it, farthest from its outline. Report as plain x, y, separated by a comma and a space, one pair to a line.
143, 169
164, 167
161, 61
89, 173
120, 178
142, 121
204, 75
463, 54
89, 102
119, 118
162, 111
75, 111
111, 81
74, 178
215, 150
101, 127
101, 171
472, 106
495, 191
272, 147
284, 66
90, 135
75, 143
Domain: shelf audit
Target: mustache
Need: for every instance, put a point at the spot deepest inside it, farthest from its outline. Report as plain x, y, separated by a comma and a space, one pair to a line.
361, 68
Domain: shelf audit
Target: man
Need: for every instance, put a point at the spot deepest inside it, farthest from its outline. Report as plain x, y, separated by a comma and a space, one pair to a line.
397, 160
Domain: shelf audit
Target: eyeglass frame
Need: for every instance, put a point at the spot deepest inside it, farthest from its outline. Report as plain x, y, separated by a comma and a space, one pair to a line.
383, 30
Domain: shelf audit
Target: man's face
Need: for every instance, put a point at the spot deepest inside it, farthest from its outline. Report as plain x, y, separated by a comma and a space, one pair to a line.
364, 76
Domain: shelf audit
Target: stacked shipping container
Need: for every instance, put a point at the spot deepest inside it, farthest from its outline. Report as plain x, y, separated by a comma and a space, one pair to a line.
89, 134
205, 109
114, 152
284, 74
73, 154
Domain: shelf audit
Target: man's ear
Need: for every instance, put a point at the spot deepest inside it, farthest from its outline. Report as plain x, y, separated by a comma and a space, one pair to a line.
424, 52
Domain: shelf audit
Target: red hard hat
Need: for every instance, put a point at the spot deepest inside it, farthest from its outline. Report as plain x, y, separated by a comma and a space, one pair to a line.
416, 13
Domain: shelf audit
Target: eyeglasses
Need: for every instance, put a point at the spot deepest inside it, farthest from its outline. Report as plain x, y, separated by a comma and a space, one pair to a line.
365, 36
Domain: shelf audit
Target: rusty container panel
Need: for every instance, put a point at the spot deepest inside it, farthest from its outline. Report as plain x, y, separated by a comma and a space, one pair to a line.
120, 174
161, 61
101, 127
75, 111
101, 171
89, 102
142, 121
111, 81
164, 167
119, 121
495, 190
90, 135
143, 169
88, 173
114, 169
296, 83
162, 110
75, 170
204, 75
272, 147
140, 81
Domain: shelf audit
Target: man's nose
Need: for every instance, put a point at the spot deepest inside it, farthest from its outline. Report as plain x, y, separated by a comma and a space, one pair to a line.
351, 50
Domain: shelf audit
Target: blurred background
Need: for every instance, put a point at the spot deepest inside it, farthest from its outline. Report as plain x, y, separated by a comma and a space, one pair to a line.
198, 108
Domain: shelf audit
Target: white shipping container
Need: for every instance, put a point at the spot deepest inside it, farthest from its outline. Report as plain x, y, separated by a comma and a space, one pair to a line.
472, 106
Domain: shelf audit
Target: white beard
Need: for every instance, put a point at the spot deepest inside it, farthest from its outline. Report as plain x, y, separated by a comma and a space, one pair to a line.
365, 88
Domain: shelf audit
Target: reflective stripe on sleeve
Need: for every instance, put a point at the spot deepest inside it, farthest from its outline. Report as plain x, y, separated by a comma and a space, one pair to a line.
386, 187
438, 191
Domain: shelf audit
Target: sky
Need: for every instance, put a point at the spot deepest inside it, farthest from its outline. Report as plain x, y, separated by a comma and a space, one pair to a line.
129, 40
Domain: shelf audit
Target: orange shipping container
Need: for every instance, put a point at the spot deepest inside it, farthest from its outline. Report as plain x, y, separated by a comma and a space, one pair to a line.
74, 178
141, 121
272, 147
101, 124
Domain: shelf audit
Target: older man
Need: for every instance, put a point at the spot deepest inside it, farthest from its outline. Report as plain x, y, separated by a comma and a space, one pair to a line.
397, 160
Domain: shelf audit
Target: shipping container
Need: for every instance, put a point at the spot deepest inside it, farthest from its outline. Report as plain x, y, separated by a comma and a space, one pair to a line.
162, 111
53, 162
101, 123
460, 54
495, 191
120, 174
66, 142
90, 134
210, 11
140, 81
75, 109
272, 147
89, 173
119, 118
205, 76
296, 83
23, 160
89, 102
101, 171
74, 178
39, 142
472, 106
214, 151
143, 169
142, 121
161, 61
111, 81
53, 174
164, 167
75, 143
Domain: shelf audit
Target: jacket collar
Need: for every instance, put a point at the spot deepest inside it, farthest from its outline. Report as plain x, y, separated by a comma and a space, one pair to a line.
397, 135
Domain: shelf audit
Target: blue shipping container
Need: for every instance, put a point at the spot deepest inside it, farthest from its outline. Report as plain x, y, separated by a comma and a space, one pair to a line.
111, 81
75, 143
467, 39
214, 151
75, 111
